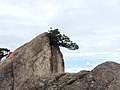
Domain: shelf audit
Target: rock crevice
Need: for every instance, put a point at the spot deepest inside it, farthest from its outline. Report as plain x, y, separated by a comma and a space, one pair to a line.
38, 65
33, 58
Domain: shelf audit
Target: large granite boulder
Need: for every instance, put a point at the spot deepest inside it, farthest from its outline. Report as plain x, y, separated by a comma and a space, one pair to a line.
105, 76
38, 65
37, 57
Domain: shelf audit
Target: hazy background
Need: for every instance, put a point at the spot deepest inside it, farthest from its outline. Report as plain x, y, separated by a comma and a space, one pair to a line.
93, 24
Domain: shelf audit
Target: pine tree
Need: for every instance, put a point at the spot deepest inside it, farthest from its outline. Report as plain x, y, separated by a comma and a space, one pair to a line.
61, 40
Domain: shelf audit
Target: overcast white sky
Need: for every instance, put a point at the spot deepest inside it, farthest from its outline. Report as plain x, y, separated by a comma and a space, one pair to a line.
92, 24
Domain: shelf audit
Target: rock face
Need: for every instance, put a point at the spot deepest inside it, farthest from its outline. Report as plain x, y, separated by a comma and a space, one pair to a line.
104, 77
36, 57
38, 65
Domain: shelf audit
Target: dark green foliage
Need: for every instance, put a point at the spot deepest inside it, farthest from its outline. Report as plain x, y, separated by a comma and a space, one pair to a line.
61, 40
4, 49
3, 52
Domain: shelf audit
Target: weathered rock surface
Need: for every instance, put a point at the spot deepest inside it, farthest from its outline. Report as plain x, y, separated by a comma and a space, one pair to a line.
37, 57
104, 77
37, 65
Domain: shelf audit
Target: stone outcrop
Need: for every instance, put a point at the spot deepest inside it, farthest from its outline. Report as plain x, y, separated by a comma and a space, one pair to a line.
38, 65
104, 77
35, 58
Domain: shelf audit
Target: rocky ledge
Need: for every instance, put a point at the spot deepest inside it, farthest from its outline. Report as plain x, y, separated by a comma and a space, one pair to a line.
38, 65
105, 76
